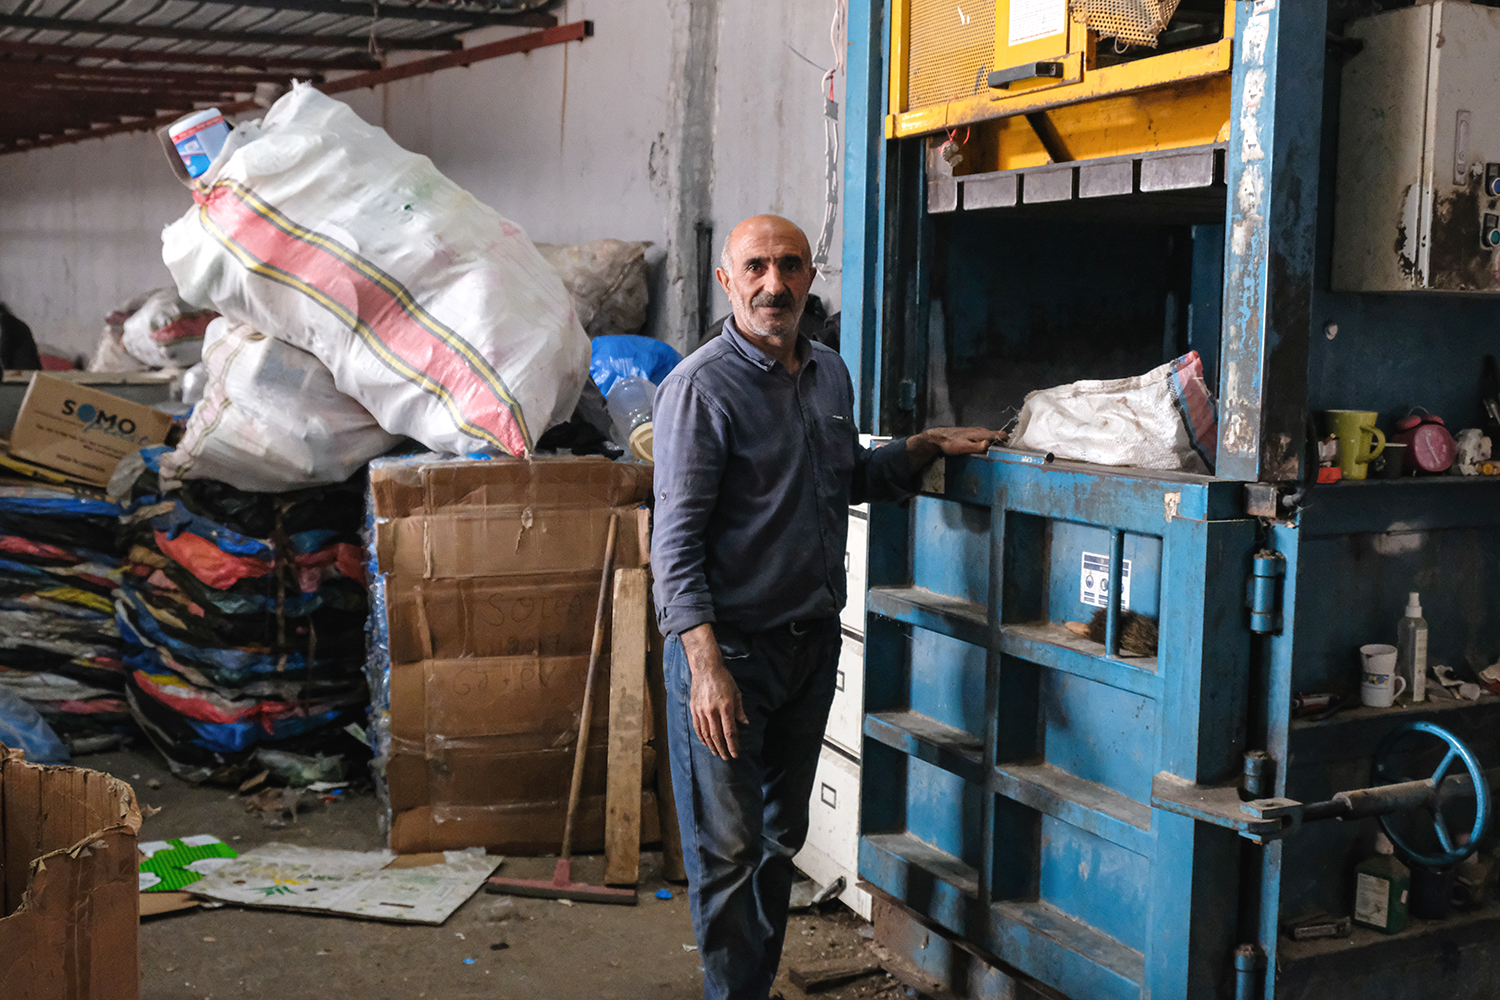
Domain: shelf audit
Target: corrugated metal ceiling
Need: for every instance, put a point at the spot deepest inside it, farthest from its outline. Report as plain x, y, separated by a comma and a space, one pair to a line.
73, 69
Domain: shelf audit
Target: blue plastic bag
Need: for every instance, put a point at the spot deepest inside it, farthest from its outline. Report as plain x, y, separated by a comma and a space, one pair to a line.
22, 727
624, 355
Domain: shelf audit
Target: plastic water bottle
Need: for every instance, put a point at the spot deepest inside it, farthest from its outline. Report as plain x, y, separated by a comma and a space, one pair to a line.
629, 404
1411, 648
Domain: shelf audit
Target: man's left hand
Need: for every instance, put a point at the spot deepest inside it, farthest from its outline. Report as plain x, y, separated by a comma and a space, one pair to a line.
934, 441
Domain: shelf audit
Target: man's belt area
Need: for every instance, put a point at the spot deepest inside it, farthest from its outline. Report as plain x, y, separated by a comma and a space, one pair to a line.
799, 629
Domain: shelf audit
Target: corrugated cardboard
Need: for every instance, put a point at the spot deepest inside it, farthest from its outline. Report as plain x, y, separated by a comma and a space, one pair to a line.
453, 619
407, 490
81, 431
492, 696
480, 776
508, 541
527, 828
69, 923
492, 582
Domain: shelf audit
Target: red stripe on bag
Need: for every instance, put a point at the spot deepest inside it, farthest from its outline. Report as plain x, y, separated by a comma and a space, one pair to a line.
378, 308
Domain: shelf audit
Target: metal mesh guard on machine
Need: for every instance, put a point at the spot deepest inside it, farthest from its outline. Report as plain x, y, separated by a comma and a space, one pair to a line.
949, 52
1136, 21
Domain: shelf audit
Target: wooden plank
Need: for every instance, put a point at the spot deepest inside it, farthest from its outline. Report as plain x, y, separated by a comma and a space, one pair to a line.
835, 972
672, 868
627, 719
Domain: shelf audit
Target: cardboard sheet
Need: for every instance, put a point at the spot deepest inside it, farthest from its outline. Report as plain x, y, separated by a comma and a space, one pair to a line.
349, 883
509, 541
404, 490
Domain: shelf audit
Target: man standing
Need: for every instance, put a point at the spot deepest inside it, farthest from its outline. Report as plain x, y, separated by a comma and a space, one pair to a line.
757, 461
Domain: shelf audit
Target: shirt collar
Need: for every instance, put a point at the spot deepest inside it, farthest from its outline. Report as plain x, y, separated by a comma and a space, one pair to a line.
756, 356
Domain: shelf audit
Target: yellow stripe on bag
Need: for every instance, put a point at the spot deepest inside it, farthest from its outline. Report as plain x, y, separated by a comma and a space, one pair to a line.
412, 308
271, 272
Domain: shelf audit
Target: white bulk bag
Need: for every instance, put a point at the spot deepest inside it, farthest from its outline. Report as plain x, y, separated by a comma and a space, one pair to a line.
429, 308
166, 332
271, 419
1164, 419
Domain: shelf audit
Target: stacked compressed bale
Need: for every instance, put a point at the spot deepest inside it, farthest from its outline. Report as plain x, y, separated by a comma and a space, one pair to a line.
243, 617
59, 646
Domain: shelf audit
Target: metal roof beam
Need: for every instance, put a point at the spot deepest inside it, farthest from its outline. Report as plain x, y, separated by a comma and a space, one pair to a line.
62, 71
144, 125
117, 28
575, 32
183, 58
406, 12
170, 96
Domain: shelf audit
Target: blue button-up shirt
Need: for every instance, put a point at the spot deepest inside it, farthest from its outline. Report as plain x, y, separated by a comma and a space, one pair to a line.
755, 471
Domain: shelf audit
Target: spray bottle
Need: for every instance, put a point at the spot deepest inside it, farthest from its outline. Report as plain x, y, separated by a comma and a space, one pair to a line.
1411, 648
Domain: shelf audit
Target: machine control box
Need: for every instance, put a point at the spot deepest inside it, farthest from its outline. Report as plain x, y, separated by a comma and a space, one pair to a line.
1418, 194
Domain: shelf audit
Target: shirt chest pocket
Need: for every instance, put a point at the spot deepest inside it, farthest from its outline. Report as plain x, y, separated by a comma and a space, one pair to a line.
836, 440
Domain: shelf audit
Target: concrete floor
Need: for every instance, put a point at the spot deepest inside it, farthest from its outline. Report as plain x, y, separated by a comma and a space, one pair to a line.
551, 950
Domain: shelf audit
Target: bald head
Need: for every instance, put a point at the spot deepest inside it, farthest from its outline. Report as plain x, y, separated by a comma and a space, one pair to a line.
766, 270
774, 224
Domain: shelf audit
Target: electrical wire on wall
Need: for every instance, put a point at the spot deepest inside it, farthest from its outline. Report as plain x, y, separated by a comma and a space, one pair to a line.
832, 166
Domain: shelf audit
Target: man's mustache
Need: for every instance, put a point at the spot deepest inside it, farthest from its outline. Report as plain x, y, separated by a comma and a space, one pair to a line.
780, 300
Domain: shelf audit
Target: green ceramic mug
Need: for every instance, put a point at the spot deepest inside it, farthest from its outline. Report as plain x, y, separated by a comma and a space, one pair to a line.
1359, 440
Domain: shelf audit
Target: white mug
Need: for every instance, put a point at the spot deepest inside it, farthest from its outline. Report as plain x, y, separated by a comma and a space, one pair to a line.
1379, 684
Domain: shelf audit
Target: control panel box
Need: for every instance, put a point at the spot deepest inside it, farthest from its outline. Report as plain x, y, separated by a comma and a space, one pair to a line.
1418, 198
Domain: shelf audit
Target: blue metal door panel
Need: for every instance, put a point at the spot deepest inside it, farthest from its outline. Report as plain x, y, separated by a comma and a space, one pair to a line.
945, 811
1033, 835
950, 548
948, 685
1069, 541
1094, 881
1099, 733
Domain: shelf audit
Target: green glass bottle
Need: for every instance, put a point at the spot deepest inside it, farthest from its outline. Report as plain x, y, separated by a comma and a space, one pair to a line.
1382, 886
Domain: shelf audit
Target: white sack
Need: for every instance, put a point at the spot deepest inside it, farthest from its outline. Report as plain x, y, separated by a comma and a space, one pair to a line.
1164, 419
609, 283
166, 332
110, 354
429, 308
271, 419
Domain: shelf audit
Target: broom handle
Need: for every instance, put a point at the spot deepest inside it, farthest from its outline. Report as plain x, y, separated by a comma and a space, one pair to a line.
586, 717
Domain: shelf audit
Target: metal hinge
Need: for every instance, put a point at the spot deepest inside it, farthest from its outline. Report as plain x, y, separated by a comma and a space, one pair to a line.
1263, 591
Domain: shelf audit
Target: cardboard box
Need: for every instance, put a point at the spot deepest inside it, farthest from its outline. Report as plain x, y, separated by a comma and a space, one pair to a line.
525, 828
491, 696
68, 883
81, 431
509, 541
492, 582
561, 481
454, 619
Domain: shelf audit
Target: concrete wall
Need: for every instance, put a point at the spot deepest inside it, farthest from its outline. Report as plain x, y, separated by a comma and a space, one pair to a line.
676, 113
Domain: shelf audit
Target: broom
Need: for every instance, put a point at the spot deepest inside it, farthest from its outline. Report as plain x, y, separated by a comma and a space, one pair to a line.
561, 885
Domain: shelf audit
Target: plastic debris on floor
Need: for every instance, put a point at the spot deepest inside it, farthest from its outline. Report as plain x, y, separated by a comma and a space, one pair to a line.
243, 619
377, 885
172, 865
60, 648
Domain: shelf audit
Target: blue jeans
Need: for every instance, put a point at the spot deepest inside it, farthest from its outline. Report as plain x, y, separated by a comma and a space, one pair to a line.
743, 819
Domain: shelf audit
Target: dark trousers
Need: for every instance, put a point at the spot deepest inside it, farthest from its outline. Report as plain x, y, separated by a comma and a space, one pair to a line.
743, 819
